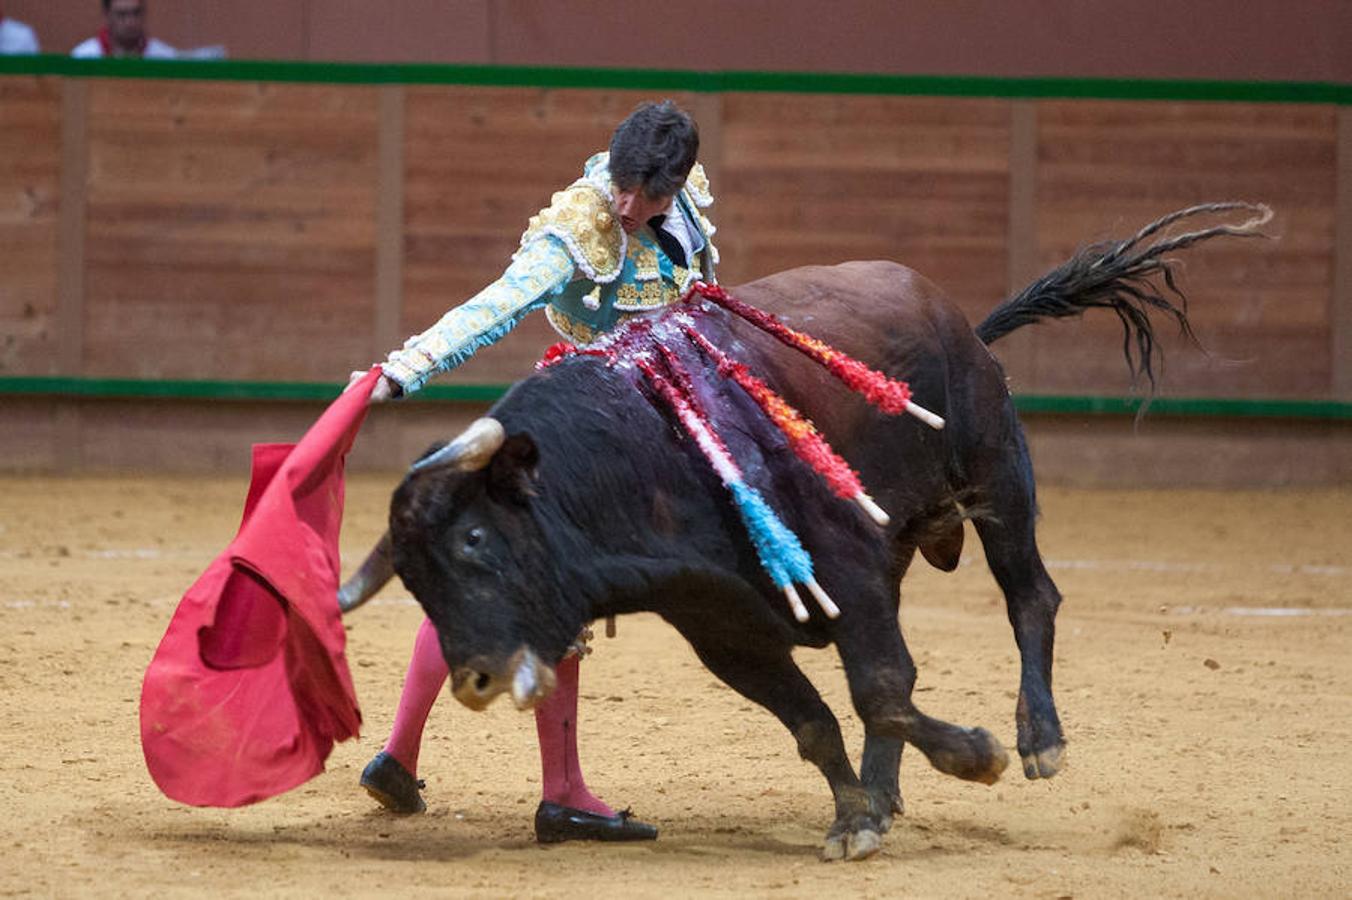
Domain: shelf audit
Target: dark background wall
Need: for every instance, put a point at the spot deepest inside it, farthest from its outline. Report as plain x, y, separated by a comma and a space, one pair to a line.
1305, 40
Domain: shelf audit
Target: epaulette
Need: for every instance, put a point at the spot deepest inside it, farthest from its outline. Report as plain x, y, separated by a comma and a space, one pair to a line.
581, 217
697, 186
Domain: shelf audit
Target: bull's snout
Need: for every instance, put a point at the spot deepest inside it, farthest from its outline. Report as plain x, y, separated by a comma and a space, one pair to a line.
524, 675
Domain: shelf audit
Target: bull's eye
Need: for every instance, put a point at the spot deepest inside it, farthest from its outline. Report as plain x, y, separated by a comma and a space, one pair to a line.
474, 537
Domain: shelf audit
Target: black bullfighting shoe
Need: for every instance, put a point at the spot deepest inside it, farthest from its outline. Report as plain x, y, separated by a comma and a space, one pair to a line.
555, 823
393, 786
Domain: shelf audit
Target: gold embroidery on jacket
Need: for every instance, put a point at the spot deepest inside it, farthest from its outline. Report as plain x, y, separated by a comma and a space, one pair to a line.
577, 332
697, 186
580, 216
650, 294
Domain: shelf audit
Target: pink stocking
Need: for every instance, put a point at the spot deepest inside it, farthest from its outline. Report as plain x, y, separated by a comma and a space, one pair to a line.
556, 725
427, 672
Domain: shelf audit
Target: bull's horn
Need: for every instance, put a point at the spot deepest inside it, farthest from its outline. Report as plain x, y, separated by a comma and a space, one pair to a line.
373, 575
532, 680
471, 451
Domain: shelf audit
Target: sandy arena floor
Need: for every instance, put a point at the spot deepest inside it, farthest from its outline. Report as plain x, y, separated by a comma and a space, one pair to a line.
1203, 673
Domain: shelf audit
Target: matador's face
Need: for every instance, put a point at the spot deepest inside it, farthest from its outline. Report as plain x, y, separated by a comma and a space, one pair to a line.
635, 206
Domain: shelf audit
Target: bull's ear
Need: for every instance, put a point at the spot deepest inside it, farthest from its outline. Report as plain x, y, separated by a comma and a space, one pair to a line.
512, 472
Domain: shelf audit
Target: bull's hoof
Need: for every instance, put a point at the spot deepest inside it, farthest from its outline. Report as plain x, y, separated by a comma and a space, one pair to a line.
981, 758
856, 834
997, 757
1042, 747
893, 806
852, 845
393, 786
1045, 763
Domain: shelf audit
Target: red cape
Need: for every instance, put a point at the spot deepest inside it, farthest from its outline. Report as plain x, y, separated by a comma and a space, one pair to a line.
249, 688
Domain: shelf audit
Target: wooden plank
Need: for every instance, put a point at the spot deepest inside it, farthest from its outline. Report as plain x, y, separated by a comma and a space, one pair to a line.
390, 224
1341, 296
707, 110
824, 179
67, 454
1017, 351
74, 172
175, 436
1022, 239
231, 229
1106, 169
30, 223
1182, 452
30, 434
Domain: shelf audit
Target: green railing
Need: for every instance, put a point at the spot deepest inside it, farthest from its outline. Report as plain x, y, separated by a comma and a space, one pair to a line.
685, 80
144, 389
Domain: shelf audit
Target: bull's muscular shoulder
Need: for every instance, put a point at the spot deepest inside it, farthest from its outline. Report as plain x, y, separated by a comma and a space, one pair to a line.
581, 217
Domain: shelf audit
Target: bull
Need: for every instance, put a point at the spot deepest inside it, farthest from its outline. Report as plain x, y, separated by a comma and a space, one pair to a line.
577, 499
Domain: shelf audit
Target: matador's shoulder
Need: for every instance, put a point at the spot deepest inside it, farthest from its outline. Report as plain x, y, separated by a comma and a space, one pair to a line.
697, 186
581, 217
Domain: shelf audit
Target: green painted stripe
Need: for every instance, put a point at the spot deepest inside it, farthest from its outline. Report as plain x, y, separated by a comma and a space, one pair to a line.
684, 80
144, 389
463, 393
1196, 407
141, 389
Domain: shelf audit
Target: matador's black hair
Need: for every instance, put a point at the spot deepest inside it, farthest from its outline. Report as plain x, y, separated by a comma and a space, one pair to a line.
655, 148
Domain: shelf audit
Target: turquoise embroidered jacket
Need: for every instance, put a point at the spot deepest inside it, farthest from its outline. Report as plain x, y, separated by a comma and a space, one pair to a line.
577, 263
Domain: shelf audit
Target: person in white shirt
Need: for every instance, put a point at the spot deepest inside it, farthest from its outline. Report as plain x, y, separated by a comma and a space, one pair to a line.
124, 35
16, 38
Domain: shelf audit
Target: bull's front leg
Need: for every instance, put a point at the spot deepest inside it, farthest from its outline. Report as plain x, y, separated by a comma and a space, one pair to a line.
880, 773
766, 674
881, 676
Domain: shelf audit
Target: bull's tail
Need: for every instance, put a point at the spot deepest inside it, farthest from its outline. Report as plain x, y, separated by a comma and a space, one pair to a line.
1118, 275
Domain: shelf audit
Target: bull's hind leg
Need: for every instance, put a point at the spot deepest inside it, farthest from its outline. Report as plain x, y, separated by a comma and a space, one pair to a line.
1006, 528
770, 677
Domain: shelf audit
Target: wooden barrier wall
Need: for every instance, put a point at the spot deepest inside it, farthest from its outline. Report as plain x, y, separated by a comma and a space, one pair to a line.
258, 231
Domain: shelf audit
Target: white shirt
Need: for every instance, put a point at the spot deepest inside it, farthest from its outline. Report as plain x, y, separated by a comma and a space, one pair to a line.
676, 225
16, 38
155, 49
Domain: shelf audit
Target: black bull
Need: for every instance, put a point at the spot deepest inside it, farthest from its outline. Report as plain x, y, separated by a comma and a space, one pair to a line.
591, 502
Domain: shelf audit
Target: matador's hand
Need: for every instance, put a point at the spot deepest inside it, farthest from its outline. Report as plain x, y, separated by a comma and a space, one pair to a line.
385, 389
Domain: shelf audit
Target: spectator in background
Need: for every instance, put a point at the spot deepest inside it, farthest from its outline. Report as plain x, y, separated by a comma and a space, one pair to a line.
16, 38
124, 35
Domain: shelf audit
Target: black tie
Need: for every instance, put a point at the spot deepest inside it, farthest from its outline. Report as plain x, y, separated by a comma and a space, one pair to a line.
667, 241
